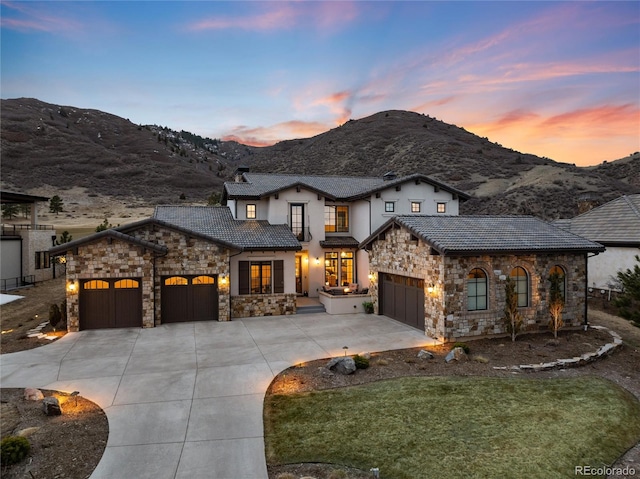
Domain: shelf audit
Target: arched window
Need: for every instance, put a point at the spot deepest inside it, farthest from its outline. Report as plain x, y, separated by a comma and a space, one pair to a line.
203, 280
96, 284
521, 280
476, 290
176, 281
126, 284
559, 270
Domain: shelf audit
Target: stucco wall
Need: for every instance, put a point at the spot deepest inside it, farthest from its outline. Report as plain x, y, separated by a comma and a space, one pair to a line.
446, 315
603, 268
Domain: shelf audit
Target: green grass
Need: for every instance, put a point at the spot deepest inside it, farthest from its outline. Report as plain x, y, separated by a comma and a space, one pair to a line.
414, 428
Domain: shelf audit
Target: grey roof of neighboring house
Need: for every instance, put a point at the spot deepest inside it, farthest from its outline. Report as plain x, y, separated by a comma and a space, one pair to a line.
468, 235
12, 197
614, 223
218, 224
110, 233
258, 185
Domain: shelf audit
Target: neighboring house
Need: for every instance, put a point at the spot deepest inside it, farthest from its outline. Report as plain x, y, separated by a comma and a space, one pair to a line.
331, 215
24, 247
176, 266
616, 225
446, 275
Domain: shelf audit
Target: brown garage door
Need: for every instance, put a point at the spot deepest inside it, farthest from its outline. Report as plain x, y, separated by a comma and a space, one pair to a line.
189, 298
402, 298
110, 303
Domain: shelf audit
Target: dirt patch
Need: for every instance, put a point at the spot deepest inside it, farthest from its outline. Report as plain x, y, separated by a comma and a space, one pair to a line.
67, 446
21, 315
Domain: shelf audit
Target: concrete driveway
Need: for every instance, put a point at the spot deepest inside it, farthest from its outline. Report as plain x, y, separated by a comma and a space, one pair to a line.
185, 400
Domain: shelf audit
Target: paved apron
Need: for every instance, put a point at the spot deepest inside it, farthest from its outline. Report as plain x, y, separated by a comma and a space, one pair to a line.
184, 400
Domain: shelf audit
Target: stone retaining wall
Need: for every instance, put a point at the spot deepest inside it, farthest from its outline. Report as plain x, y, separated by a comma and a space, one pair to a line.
252, 305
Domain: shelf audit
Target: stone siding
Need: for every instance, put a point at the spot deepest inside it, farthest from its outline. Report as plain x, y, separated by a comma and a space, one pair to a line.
105, 259
446, 315
188, 256
250, 305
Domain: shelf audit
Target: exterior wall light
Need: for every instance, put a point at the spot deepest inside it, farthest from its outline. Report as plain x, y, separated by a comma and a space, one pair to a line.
317, 260
431, 288
223, 280
71, 287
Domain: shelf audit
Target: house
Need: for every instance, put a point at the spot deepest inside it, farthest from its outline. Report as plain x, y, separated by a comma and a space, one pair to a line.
331, 215
616, 225
175, 266
24, 247
445, 274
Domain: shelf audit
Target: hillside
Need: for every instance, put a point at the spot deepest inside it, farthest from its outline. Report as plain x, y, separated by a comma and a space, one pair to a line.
48, 147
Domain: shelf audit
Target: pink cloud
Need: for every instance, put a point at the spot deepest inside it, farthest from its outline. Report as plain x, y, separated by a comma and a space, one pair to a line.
266, 136
283, 16
34, 19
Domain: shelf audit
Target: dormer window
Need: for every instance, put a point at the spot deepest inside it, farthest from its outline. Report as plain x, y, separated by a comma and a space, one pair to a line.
441, 208
389, 206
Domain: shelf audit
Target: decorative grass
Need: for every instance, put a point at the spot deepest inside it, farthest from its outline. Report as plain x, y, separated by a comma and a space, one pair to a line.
413, 428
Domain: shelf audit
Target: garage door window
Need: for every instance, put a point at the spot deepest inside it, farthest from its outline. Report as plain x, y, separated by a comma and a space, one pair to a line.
203, 280
126, 284
176, 281
96, 284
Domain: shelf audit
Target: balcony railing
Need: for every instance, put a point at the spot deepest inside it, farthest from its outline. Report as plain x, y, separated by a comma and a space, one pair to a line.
12, 230
13, 283
302, 234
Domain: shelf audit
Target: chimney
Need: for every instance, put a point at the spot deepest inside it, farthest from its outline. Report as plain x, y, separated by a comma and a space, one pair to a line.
237, 175
389, 175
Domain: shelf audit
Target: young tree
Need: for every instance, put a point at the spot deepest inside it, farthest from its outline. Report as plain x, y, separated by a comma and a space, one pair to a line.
25, 209
628, 303
56, 205
65, 237
9, 210
214, 199
512, 317
105, 225
556, 303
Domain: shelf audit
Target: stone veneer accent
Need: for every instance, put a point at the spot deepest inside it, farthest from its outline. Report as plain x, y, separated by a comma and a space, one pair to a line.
120, 259
250, 305
446, 315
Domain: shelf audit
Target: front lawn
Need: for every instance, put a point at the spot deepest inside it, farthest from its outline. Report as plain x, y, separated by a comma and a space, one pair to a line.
433, 427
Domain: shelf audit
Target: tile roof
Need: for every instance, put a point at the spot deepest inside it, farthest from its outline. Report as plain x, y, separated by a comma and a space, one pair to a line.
460, 235
258, 185
217, 223
110, 233
615, 222
339, 242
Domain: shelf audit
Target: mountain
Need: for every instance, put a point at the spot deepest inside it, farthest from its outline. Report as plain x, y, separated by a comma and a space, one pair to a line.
64, 147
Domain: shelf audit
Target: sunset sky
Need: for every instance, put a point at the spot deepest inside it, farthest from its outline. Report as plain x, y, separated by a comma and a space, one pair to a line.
557, 79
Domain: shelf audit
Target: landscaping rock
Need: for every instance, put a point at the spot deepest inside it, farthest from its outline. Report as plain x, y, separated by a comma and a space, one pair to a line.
51, 406
33, 394
424, 354
26, 432
324, 372
456, 354
342, 365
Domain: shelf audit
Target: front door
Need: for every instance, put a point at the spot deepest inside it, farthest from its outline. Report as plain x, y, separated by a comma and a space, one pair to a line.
299, 274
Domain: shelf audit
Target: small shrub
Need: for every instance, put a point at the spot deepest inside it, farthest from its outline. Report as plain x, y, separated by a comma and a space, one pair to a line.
464, 347
54, 315
14, 449
361, 362
368, 307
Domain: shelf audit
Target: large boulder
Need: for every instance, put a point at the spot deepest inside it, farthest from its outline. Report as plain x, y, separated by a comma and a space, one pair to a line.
342, 365
51, 406
456, 354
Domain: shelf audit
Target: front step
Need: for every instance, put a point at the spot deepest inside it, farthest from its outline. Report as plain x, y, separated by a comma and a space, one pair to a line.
311, 309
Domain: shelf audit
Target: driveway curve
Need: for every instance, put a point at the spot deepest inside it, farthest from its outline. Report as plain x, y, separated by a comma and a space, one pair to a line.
185, 400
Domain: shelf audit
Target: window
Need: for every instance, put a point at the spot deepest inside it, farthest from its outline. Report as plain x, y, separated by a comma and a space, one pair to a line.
415, 207
331, 269
43, 260
261, 277
346, 268
521, 279
126, 284
476, 290
441, 208
203, 280
389, 206
251, 212
336, 219
297, 221
559, 270
176, 281
96, 284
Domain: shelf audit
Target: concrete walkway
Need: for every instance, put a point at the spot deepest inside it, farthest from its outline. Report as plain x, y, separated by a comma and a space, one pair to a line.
185, 400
